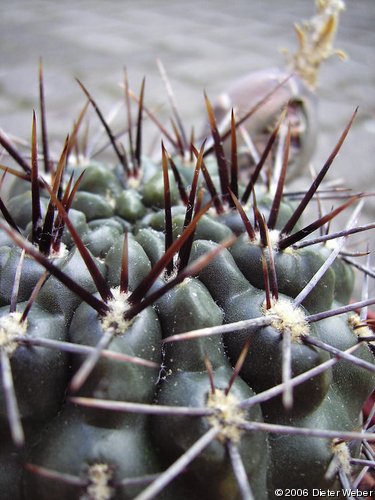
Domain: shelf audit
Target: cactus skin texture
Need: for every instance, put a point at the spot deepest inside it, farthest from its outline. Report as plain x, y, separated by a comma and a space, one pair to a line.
158, 346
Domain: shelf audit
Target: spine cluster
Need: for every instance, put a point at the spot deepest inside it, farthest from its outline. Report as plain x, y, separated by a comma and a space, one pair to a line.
170, 329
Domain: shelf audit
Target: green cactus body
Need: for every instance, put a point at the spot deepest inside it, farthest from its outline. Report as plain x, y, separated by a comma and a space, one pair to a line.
190, 306
344, 278
56, 297
32, 271
294, 269
192, 388
117, 453
111, 379
39, 374
174, 342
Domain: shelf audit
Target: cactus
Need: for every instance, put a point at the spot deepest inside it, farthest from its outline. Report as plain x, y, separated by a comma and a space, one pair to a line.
168, 329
